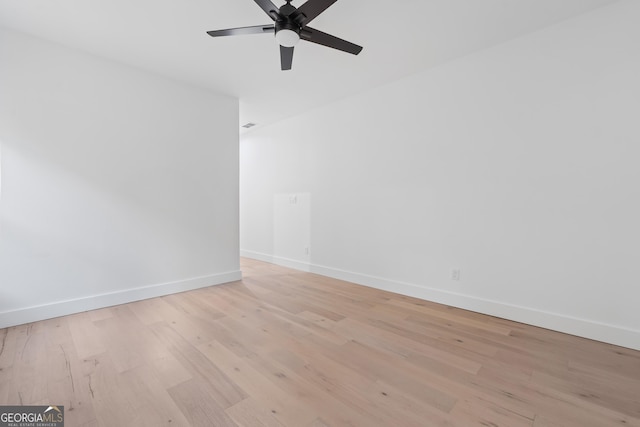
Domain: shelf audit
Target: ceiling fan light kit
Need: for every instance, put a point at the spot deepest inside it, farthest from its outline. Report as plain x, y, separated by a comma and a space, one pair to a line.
287, 38
290, 26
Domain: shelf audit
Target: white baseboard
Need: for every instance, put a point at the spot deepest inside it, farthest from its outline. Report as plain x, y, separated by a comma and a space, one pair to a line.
285, 262
257, 255
598, 331
63, 308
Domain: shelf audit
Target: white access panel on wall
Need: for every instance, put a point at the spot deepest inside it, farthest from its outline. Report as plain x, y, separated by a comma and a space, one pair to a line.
292, 227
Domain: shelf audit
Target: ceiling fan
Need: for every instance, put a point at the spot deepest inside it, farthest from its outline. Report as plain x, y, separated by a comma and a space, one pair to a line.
290, 25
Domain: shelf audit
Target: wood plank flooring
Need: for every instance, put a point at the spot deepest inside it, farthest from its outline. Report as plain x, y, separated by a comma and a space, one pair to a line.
283, 348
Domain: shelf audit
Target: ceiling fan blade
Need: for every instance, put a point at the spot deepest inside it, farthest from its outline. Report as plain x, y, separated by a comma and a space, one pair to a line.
256, 29
269, 8
317, 36
311, 9
286, 57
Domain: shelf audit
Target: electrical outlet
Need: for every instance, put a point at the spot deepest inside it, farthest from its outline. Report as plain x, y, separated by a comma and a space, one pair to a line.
455, 274
306, 250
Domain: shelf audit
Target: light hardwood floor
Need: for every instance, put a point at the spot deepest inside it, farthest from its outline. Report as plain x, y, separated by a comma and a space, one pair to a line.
285, 348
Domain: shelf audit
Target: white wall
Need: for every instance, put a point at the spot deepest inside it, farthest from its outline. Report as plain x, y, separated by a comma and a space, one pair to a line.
517, 165
116, 184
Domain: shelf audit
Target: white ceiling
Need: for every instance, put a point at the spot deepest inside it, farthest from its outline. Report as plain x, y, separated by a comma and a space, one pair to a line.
399, 37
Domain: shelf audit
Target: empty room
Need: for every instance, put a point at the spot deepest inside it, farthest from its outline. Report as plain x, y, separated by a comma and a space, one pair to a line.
320, 213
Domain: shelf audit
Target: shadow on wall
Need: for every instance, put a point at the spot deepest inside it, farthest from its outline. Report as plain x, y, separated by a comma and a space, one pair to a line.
292, 227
